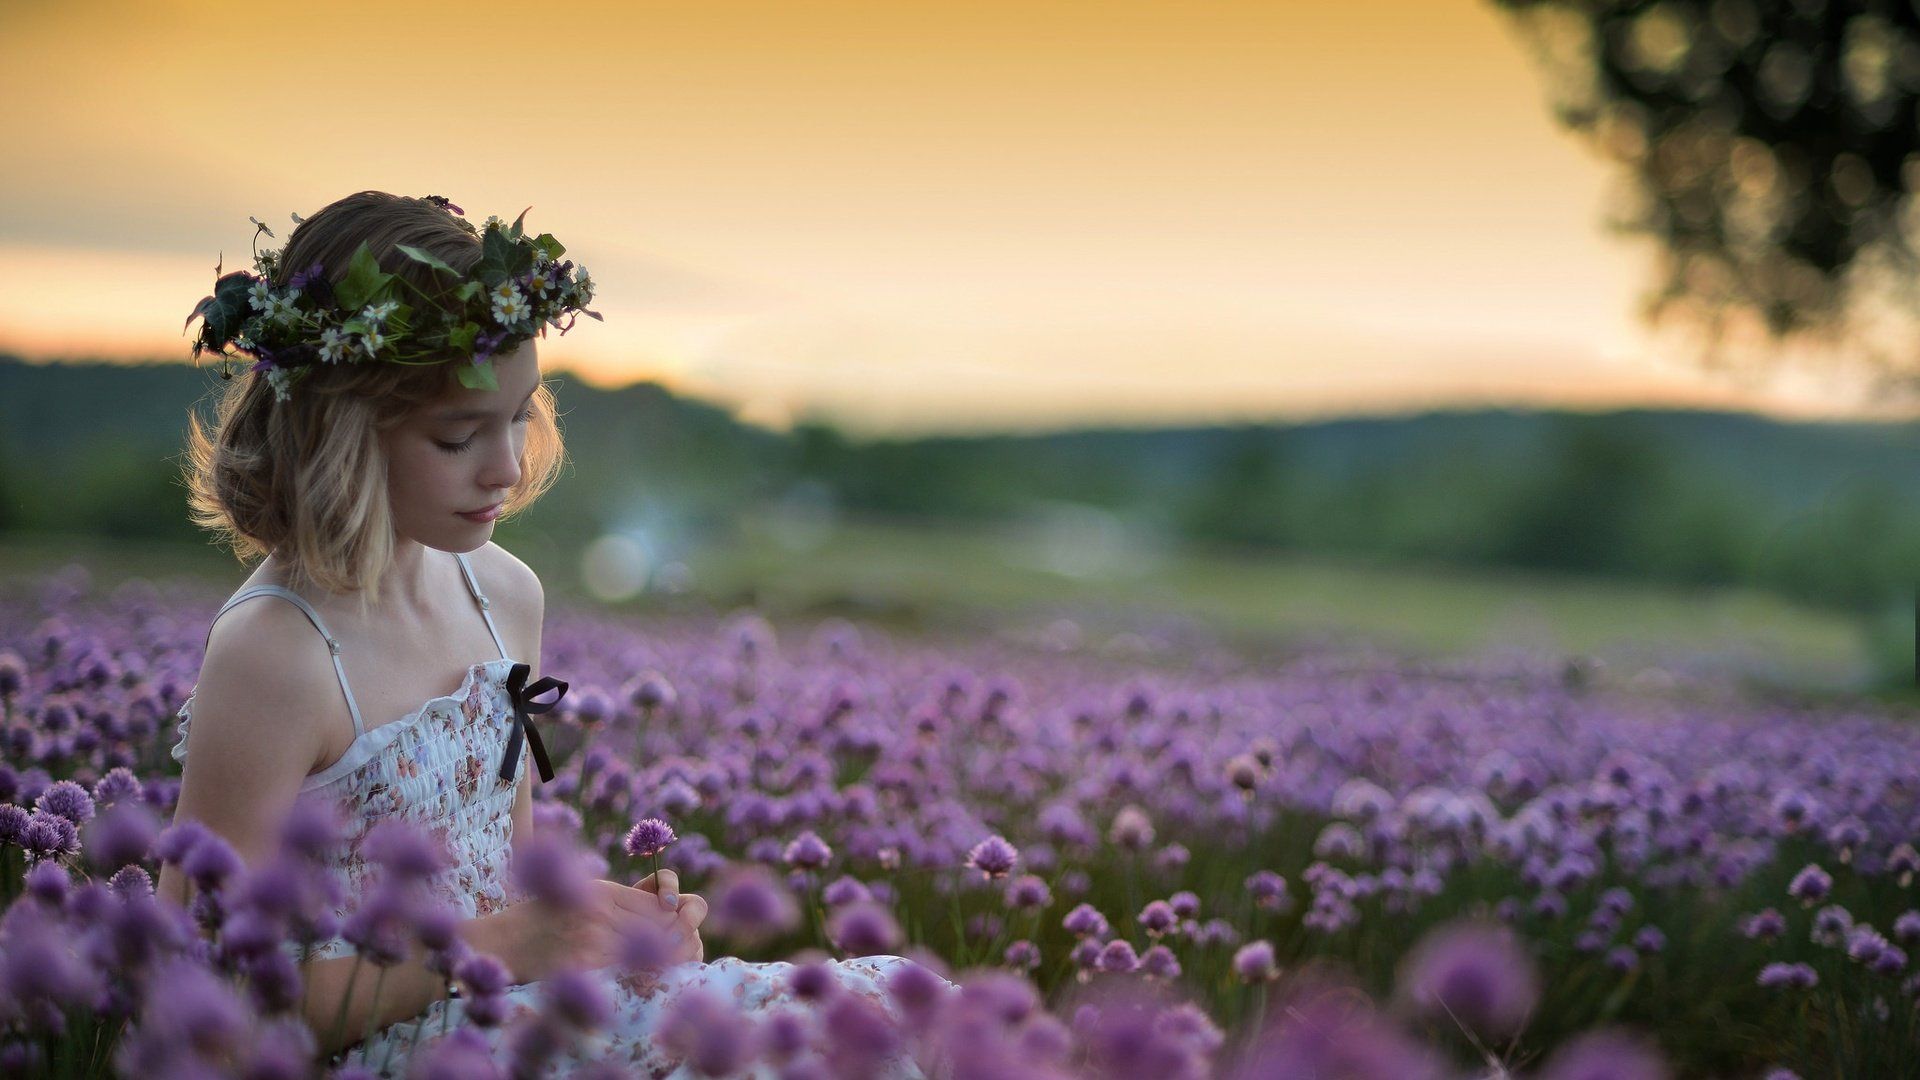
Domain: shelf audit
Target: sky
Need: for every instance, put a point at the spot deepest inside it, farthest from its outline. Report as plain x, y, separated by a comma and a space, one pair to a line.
901, 217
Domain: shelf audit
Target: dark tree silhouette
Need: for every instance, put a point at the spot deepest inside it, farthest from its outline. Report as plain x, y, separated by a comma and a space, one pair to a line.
1769, 147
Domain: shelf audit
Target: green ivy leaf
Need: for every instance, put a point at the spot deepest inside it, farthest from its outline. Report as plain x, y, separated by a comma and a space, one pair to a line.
462, 337
478, 377
469, 290
363, 279
552, 247
427, 257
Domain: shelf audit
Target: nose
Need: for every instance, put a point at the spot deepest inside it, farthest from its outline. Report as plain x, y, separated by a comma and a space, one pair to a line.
503, 463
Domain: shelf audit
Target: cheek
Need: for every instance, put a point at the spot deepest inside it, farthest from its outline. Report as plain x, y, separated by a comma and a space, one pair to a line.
418, 473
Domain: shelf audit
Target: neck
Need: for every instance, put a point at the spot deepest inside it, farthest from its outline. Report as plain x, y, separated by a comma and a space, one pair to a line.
408, 580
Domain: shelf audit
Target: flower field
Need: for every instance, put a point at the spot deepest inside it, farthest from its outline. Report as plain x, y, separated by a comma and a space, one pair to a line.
1159, 861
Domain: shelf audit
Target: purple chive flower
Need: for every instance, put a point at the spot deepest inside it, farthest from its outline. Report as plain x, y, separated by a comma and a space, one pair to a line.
13, 823
1159, 962
1254, 962
1085, 954
1907, 926
750, 905
174, 841
919, 992
648, 838
1788, 976
123, 834
548, 868
863, 929
130, 882
48, 883
577, 999
187, 1005
1622, 958
1650, 939
812, 981
807, 851
1131, 829
379, 928
1158, 917
1811, 885
1831, 924
311, 828
1904, 862
1022, 955
1269, 889
1118, 958
404, 850
1606, 1055
1474, 974
211, 862
1186, 905
993, 857
117, 785
860, 1036
845, 890
1085, 921
1764, 925
1865, 944
708, 1033
13, 673
1028, 893
49, 836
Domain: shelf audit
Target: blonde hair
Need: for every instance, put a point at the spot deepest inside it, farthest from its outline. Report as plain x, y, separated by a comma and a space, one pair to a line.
305, 479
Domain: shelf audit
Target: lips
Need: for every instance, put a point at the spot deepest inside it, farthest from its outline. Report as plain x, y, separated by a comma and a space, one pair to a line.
483, 514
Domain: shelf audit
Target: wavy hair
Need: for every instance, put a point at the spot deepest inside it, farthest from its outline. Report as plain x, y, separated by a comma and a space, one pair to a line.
306, 479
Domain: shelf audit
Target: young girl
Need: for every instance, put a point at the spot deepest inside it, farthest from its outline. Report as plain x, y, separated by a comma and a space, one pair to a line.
394, 412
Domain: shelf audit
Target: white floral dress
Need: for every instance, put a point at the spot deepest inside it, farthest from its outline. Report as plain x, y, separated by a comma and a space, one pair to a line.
438, 768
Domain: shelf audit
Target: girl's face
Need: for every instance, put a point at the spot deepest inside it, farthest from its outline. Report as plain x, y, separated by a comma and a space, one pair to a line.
461, 454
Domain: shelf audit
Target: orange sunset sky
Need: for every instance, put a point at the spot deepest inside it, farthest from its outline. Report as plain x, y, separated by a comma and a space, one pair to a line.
903, 216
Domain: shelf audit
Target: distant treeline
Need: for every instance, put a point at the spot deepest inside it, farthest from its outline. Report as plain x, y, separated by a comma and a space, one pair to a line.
1821, 512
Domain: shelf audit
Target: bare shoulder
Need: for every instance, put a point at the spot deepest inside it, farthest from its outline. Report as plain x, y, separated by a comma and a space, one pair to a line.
504, 577
266, 671
518, 598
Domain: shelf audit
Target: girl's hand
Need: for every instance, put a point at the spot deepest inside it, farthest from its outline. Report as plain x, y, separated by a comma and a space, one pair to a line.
690, 910
535, 939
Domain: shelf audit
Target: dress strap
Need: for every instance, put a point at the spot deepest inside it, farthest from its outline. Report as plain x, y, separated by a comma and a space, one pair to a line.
486, 605
333, 643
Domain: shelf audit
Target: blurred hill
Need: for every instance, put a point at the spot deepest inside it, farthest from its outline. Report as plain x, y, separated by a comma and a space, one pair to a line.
1820, 512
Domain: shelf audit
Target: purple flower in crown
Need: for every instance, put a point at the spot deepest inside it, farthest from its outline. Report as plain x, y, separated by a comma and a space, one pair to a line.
445, 203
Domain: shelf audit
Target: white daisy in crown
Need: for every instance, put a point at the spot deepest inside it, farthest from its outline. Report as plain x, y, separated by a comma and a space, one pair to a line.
333, 345
380, 311
511, 309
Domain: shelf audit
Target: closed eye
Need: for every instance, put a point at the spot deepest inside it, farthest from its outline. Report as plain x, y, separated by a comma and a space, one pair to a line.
467, 444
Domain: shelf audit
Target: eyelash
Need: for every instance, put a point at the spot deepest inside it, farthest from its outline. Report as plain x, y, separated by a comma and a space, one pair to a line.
463, 447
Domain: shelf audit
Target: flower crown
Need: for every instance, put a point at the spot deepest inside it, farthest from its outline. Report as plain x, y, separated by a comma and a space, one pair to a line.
517, 289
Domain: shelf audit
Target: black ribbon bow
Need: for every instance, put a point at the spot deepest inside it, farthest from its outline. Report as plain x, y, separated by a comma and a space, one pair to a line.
524, 709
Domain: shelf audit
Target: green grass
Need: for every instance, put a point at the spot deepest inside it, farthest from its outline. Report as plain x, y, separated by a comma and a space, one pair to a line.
943, 578
1440, 612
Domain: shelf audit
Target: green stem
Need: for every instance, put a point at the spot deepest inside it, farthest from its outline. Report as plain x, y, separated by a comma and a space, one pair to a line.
373, 1017
340, 1014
